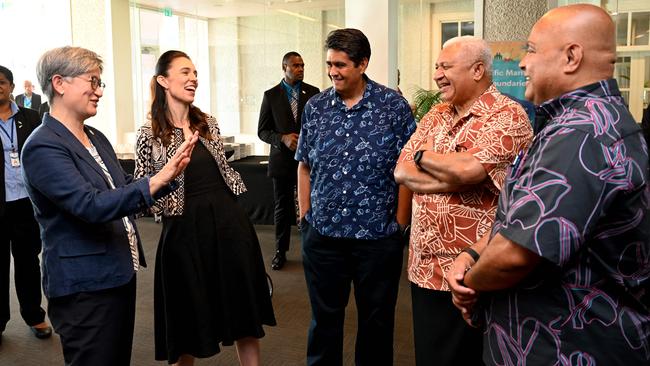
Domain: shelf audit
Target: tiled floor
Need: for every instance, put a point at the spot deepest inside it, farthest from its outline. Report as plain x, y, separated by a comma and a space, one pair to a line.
283, 345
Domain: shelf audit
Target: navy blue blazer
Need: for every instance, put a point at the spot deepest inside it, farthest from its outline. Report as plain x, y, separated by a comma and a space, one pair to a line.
85, 244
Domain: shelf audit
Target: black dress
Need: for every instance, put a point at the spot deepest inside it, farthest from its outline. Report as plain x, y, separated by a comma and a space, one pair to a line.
210, 281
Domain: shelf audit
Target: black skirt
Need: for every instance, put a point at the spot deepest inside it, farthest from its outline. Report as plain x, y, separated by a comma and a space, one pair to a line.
210, 282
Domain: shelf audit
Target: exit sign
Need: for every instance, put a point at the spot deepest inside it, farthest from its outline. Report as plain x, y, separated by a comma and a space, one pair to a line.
167, 12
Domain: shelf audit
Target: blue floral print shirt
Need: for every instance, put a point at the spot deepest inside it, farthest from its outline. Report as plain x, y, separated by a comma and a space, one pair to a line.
352, 155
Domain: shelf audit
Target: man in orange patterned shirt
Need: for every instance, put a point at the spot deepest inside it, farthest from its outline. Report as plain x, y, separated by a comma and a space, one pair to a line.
455, 164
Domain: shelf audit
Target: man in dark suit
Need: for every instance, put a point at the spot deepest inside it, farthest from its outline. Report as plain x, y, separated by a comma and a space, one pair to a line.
29, 99
279, 126
20, 234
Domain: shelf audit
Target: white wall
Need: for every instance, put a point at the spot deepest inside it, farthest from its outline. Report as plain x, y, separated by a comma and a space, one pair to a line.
377, 19
91, 29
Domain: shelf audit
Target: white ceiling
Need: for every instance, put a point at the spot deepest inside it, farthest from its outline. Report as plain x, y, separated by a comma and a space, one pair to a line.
231, 8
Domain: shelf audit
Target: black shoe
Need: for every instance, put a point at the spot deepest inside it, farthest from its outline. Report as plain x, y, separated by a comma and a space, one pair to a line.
42, 333
279, 259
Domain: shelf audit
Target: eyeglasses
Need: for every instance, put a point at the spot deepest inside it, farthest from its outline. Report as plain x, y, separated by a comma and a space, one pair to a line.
94, 82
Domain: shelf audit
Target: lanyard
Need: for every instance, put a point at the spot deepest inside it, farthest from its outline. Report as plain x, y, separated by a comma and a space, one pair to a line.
11, 137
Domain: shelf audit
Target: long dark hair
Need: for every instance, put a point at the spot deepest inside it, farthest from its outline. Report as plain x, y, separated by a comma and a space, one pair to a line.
161, 125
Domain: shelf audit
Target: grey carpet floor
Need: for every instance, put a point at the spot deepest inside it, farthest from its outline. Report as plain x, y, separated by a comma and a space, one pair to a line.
284, 344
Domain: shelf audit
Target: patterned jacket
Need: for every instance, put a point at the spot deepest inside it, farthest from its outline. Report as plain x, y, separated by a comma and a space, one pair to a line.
151, 156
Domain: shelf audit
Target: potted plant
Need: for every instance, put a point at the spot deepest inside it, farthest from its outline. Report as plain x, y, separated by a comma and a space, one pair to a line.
423, 100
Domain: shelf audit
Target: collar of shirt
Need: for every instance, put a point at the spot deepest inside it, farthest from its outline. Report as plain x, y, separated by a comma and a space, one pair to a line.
288, 88
365, 100
14, 110
477, 109
13, 179
546, 112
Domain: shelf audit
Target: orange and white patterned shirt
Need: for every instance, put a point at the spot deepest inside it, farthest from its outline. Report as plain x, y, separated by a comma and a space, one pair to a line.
495, 130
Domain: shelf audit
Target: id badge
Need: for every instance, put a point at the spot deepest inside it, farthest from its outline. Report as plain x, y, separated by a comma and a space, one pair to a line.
14, 158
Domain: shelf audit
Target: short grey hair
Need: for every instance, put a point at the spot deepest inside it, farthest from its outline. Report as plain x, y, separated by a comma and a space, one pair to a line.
474, 47
65, 61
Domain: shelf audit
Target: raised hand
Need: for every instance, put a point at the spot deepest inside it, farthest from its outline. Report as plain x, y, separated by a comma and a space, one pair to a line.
175, 165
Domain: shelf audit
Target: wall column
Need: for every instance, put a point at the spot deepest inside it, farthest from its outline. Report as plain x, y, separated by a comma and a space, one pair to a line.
507, 20
104, 27
377, 19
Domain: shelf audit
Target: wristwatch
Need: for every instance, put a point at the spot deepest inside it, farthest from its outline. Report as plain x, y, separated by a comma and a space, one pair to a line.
417, 157
472, 253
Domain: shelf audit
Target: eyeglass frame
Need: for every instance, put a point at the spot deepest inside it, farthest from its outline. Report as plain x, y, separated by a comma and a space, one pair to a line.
94, 81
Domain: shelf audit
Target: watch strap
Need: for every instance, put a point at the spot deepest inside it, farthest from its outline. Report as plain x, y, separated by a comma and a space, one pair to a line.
472, 253
417, 157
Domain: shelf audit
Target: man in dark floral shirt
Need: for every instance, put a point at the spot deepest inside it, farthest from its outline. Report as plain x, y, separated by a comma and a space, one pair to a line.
564, 277
351, 137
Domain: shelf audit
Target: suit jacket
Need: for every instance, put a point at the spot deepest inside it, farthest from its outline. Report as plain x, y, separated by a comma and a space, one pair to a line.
85, 244
26, 121
36, 101
276, 119
45, 107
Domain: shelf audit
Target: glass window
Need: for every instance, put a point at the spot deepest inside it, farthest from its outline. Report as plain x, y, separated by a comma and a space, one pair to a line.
621, 29
423, 27
237, 50
160, 33
449, 31
639, 29
467, 28
247, 59
622, 75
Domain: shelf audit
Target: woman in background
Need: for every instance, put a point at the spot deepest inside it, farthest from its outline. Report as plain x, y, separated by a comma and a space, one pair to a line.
84, 204
210, 285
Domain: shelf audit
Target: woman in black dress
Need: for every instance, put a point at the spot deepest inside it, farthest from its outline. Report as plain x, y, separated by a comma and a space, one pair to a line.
210, 284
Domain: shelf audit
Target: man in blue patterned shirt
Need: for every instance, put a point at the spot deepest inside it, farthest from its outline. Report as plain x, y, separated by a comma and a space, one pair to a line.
565, 276
351, 137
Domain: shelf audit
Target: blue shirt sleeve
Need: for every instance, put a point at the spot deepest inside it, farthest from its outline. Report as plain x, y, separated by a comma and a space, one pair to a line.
405, 124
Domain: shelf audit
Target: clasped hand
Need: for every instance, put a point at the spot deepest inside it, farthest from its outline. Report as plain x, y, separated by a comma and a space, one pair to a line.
462, 296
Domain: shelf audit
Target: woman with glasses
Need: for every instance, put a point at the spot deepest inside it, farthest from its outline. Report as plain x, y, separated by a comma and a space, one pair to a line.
210, 284
84, 203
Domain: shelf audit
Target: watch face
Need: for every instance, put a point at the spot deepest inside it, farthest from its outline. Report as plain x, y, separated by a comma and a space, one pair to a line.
417, 157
